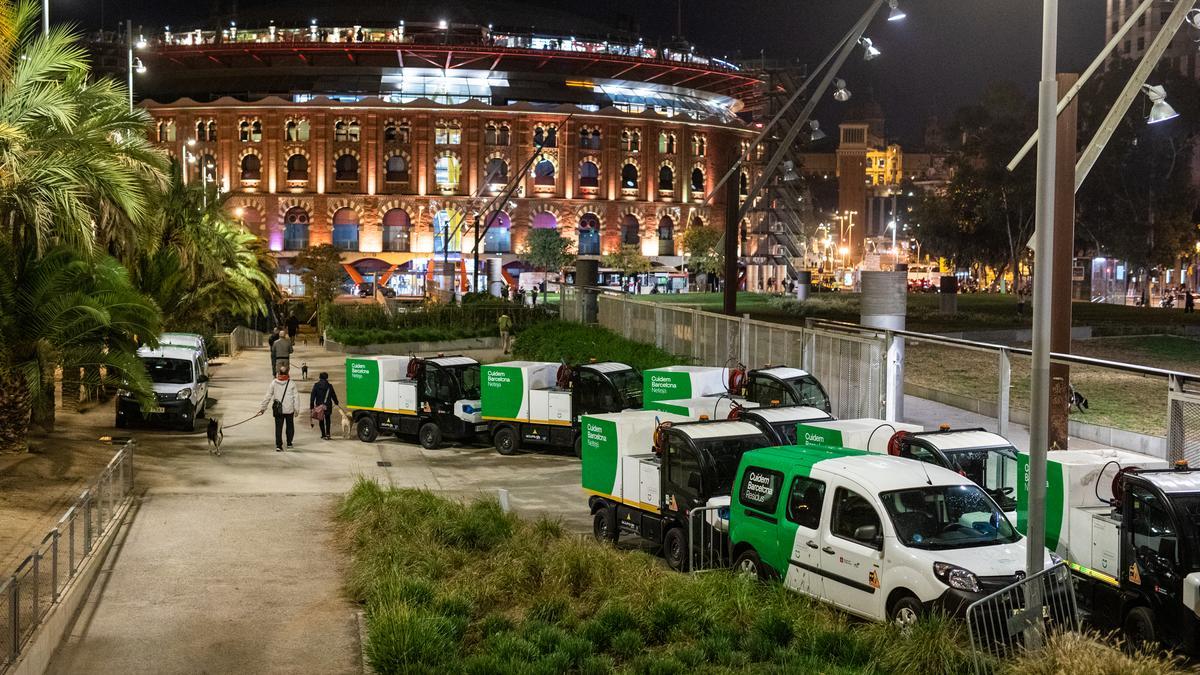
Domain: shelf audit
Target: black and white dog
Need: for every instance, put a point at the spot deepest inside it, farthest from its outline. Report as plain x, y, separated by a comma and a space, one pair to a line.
1075, 399
215, 436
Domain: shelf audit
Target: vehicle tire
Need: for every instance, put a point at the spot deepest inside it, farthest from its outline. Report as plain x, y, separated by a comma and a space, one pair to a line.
1139, 628
905, 611
506, 441
675, 549
430, 436
749, 564
365, 429
604, 525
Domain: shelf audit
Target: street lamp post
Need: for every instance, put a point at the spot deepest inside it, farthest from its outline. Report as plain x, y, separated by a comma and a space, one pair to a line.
45, 17
130, 60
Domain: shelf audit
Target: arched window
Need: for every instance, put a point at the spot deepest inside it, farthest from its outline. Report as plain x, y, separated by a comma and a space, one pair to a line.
345, 229
166, 131
256, 131
666, 236
295, 229
595, 139
635, 141
244, 131
212, 130
490, 134
296, 130
251, 167
341, 131
698, 180
297, 167
629, 230
539, 136
496, 171
289, 131
666, 178
354, 131
666, 143
543, 220
396, 230
498, 238
589, 234
699, 146
390, 134
743, 184
626, 139
543, 173
447, 171
397, 170
589, 175
447, 133
629, 176
502, 137
545, 136
404, 132
585, 139
346, 168
201, 131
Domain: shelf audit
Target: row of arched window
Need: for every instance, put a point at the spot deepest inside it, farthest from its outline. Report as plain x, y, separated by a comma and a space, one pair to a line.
397, 231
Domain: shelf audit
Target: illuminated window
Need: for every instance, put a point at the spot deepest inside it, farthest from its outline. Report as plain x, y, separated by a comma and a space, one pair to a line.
589, 234
666, 143
396, 230
629, 176
543, 173
447, 133
296, 130
295, 229
447, 171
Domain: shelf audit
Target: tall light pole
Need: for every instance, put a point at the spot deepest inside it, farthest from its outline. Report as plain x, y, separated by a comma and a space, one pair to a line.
130, 65
45, 17
1039, 403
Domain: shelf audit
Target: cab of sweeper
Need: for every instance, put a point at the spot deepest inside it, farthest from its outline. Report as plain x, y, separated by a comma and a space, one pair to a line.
877, 536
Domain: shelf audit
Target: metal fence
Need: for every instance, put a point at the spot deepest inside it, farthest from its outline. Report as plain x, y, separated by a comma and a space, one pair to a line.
32, 590
708, 541
1021, 616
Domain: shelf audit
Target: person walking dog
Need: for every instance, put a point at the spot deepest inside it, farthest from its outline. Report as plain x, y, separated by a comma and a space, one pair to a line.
321, 401
281, 397
504, 323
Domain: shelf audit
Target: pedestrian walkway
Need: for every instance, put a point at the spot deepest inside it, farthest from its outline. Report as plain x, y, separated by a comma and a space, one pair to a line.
931, 415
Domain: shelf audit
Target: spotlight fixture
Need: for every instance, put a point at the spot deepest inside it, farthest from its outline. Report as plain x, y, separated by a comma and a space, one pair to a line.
840, 92
1193, 18
869, 50
789, 172
896, 14
1160, 110
814, 131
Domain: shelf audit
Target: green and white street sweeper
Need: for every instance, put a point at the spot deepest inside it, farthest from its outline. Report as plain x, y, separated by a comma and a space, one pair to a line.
1129, 527
714, 392
431, 398
537, 404
645, 478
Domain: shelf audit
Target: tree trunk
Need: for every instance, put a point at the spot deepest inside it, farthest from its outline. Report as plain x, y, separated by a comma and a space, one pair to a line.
14, 422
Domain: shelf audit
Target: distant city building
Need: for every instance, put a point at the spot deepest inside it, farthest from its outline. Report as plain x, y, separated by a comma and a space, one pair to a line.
1180, 54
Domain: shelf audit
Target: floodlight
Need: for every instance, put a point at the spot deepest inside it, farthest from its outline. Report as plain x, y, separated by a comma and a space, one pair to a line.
869, 50
896, 14
789, 172
840, 92
443, 25
1160, 110
814, 131
1193, 18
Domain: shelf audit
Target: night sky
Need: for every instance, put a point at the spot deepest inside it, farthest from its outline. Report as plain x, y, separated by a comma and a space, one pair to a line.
942, 56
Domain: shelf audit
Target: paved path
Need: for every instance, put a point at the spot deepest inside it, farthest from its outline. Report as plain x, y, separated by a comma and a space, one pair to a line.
229, 564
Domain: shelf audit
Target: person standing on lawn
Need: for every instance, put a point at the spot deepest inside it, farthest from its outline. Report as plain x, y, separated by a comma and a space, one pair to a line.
504, 323
281, 397
324, 396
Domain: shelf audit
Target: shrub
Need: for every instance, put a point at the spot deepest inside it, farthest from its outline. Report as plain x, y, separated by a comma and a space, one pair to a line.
577, 343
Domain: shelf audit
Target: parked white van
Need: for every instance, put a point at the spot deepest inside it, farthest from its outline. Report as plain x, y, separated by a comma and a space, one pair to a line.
878, 536
180, 388
192, 340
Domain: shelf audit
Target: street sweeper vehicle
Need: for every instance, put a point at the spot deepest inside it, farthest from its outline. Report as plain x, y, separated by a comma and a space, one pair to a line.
1128, 525
646, 471
434, 399
689, 386
535, 404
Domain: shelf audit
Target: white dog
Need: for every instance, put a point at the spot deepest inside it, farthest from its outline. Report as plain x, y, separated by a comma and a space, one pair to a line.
345, 421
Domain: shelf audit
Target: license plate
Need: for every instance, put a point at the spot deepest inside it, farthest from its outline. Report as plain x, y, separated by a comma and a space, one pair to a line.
481, 427
157, 409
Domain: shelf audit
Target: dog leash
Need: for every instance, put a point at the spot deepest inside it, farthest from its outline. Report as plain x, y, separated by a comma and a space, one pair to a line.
230, 426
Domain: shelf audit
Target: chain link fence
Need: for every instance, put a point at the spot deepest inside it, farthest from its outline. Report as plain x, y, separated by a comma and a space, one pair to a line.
35, 586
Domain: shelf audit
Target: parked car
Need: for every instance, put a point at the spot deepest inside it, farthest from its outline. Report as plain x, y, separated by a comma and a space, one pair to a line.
191, 340
180, 389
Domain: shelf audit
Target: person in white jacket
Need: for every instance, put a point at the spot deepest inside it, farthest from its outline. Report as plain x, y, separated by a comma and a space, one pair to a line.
283, 392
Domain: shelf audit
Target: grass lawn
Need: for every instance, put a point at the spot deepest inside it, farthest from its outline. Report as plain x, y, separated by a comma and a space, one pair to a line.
448, 587
976, 311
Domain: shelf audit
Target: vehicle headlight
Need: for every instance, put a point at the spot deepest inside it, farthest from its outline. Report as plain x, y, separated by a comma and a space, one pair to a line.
186, 392
956, 577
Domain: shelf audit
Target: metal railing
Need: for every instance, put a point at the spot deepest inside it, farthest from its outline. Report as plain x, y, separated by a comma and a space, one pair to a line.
708, 539
1021, 616
38, 581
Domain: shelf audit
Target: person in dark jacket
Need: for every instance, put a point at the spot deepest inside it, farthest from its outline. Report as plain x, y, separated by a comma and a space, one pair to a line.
323, 394
293, 327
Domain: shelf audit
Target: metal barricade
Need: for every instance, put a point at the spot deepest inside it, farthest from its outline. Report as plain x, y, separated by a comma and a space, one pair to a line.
708, 538
1022, 615
28, 593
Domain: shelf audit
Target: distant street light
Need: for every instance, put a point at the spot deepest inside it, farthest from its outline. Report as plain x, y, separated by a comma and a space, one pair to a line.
896, 14
840, 92
870, 52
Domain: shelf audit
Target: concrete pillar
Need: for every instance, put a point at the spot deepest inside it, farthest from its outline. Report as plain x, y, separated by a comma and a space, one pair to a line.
495, 278
884, 306
1064, 262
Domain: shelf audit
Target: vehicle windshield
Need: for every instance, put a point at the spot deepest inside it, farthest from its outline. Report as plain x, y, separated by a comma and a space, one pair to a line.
468, 380
1187, 510
994, 469
629, 385
809, 392
940, 517
168, 371
721, 459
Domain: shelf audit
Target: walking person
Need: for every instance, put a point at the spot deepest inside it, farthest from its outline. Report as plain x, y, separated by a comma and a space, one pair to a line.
1189, 301
271, 343
293, 327
321, 401
504, 323
281, 397
281, 351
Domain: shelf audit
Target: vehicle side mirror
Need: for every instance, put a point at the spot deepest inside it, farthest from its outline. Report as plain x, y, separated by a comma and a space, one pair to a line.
868, 534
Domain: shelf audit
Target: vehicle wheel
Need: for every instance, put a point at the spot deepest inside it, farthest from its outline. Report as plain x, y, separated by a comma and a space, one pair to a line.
1139, 627
604, 525
365, 429
905, 611
430, 436
506, 441
749, 564
675, 549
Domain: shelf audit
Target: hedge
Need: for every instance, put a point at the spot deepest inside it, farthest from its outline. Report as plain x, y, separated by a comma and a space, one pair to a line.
476, 315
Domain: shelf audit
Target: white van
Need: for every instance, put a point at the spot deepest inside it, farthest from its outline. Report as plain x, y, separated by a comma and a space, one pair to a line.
878, 536
180, 389
187, 340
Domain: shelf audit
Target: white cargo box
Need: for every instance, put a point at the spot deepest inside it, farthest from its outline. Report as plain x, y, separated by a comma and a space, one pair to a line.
864, 433
683, 382
608, 440
400, 396
550, 405
712, 407
506, 388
